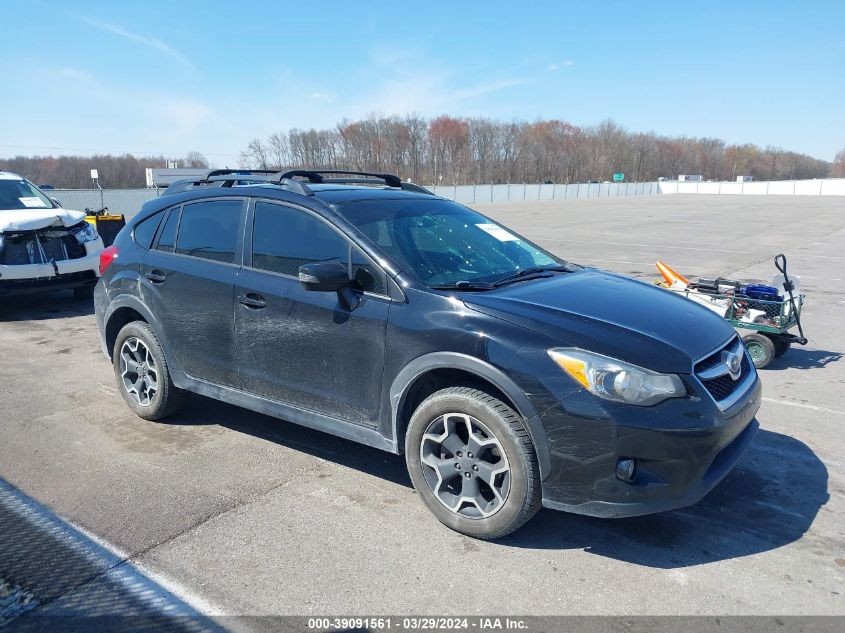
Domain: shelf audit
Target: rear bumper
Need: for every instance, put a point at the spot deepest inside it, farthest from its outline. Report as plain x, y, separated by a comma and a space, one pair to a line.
684, 449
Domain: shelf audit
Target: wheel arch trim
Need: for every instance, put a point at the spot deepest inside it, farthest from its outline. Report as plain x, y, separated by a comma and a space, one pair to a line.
404, 380
133, 303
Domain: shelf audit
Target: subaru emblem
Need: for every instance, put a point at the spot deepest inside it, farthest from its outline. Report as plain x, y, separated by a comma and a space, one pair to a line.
733, 362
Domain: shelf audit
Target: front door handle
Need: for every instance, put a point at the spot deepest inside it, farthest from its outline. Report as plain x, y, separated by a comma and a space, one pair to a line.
156, 276
252, 301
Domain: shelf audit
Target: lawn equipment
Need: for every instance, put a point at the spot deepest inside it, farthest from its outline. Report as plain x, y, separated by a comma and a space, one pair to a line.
769, 311
107, 225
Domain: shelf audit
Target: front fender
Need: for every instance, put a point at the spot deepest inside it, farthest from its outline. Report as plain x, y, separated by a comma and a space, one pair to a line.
453, 360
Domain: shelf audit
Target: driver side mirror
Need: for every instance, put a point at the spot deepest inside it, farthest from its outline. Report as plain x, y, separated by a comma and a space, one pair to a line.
56, 202
324, 276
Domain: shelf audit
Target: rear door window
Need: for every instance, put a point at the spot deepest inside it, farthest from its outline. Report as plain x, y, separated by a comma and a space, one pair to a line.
210, 230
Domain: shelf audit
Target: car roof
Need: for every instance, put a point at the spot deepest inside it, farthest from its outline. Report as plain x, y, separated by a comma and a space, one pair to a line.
305, 187
7, 175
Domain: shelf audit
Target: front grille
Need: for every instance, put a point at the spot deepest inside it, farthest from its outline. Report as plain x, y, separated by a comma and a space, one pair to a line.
40, 247
721, 387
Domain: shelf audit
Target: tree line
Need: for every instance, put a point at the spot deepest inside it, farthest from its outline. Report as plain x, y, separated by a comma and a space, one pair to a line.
448, 150
74, 172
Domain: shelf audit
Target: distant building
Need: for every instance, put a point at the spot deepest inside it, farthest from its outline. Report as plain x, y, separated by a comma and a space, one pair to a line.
689, 178
744, 178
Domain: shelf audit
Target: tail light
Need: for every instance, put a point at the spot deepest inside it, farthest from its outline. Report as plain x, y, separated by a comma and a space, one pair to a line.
107, 257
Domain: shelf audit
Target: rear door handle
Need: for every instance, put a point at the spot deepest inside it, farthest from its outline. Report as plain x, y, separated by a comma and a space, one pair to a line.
156, 276
252, 301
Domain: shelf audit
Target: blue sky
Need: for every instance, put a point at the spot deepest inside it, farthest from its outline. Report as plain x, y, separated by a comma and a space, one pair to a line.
173, 77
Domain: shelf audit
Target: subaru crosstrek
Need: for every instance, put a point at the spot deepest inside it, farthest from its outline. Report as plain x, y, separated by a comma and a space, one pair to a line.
365, 307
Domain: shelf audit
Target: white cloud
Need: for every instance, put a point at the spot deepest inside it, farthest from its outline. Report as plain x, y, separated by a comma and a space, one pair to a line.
151, 42
326, 97
557, 66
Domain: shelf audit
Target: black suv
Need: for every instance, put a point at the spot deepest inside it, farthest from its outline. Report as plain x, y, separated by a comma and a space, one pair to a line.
366, 307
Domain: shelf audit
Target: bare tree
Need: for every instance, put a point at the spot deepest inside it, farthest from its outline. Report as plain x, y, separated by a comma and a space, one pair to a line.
837, 168
255, 155
195, 160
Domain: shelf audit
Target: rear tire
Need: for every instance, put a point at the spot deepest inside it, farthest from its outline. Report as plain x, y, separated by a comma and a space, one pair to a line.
142, 374
458, 440
760, 347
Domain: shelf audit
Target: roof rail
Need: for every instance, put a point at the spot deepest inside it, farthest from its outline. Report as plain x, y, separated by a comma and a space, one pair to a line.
239, 172
232, 177
316, 176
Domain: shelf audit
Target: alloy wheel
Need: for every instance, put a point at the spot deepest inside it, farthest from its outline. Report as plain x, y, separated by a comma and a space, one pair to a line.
465, 465
138, 371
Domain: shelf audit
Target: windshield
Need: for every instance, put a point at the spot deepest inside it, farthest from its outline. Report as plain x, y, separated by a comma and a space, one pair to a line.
22, 194
444, 243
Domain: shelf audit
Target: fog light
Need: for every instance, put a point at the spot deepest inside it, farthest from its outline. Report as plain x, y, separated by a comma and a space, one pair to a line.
626, 469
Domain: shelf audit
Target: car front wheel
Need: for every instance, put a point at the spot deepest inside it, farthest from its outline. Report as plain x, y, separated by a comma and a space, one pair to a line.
473, 462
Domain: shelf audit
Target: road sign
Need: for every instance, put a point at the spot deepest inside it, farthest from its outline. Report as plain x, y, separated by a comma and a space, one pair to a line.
94, 174
618, 177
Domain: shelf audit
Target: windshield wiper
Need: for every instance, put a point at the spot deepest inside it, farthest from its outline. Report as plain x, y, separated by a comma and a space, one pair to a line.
464, 285
537, 272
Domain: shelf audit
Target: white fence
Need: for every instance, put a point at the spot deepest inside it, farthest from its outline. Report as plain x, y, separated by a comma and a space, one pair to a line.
816, 187
481, 194
129, 201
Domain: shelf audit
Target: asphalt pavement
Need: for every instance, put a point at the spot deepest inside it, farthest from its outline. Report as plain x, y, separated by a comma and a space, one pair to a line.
238, 513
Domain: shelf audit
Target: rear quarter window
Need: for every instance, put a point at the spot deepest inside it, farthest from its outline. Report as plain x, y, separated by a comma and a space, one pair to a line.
145, 230
167, 237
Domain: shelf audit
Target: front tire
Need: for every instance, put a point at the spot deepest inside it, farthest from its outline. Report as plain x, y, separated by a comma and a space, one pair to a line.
142, 375
472, 461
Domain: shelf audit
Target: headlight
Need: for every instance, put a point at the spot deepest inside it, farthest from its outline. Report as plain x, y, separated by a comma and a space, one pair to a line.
85, 233
615, 380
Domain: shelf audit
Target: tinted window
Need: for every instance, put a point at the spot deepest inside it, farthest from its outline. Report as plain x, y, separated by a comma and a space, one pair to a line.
284, 239
210, 230
167, 237
146, 230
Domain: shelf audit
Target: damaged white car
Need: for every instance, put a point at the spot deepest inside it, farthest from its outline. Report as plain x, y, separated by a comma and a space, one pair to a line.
44, 247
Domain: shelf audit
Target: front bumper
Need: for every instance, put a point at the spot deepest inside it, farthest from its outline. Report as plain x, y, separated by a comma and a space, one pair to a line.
684, 447
67, 273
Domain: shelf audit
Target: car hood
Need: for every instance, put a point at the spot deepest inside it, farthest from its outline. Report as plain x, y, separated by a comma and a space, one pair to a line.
612, 315
31, 219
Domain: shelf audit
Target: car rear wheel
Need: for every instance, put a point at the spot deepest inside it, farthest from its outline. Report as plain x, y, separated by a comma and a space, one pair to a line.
143, 378
472, 461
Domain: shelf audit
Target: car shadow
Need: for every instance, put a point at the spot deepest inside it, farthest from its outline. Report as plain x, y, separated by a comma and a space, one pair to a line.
39, 307
800, 358
769, 500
